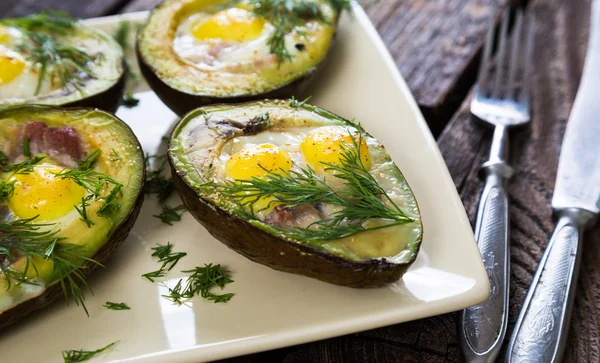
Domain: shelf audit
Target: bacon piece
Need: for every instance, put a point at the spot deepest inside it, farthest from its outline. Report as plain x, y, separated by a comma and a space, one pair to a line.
34, 131
280, 216
301, 216
62, 144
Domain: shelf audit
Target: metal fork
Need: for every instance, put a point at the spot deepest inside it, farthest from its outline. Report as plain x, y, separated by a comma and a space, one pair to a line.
502, 100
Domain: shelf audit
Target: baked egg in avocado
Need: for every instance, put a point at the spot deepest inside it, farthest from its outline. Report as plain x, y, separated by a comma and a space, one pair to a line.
71, 183
50, 58
197, 52
298, 189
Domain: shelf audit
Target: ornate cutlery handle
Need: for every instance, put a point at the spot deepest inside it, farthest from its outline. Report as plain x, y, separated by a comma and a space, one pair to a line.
483, 326
544, 319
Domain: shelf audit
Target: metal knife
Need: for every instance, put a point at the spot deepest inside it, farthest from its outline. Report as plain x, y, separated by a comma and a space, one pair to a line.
541, 330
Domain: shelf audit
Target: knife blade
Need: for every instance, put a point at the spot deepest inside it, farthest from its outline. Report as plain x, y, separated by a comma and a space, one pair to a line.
541, 329
578, 178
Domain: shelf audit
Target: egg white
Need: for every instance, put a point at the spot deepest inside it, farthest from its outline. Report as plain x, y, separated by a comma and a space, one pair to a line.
25, 84
213, 55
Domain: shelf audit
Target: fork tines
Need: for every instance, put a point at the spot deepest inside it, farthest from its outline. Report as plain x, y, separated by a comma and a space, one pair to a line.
500, 76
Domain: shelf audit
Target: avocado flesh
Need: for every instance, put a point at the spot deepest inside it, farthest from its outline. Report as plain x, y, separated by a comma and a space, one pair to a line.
183, 86
98, 130
366, 259
103, 90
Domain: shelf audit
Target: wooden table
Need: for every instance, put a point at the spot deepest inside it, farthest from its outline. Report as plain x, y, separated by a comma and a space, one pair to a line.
436, 45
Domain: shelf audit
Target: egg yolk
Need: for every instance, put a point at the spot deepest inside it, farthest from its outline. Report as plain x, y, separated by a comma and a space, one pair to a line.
233, 24
10, 68
324, 145
250, 161
43, 194
4, 36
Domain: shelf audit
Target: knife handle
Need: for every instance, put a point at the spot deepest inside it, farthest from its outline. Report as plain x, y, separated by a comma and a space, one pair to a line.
482, 327
540, 332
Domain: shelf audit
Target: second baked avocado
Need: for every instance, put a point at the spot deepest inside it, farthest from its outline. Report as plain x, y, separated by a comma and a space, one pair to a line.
197, 52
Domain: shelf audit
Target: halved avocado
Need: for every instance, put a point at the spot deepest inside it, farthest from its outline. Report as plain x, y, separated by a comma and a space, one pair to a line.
206, 139
101, 86
60, 136
185, 82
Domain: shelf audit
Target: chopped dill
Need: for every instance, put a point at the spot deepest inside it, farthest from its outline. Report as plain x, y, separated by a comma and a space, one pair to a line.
76, 356
129, 100
116, 306
167, 257
200, 282
168, 215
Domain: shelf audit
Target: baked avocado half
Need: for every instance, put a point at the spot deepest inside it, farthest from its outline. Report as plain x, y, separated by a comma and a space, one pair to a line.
198, 52
71, 183
299, 189
52, 59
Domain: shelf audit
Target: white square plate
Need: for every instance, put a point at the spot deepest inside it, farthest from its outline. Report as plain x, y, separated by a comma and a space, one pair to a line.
271, 309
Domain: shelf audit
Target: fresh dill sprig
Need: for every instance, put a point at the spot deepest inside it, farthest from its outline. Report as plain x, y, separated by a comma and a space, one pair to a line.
341, 5
63, 62
82, 210
295, 103
6, 189
168, 215
75, 356
56, 58
167, 257
3, 161
362, 199
23, 238
121, 36
129, 100
93, 182
122, 33
156, 182
285, 15
114, 156
111, 204
200, 282
90, 160
26, 151
151, 276
53, 21
25, 167
116, 306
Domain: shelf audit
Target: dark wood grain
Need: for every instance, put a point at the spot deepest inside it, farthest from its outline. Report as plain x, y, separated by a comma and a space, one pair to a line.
78, 8
435, 45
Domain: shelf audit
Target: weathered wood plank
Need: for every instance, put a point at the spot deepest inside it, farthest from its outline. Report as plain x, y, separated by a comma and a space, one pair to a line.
78, 8
434, 43
139, 5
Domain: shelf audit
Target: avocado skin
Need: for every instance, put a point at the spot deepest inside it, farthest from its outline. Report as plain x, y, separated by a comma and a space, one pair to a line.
280, 254
55, 292
108, 100
182, 103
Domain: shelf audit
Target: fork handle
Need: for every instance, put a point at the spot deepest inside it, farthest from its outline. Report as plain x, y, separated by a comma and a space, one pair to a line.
483, 326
